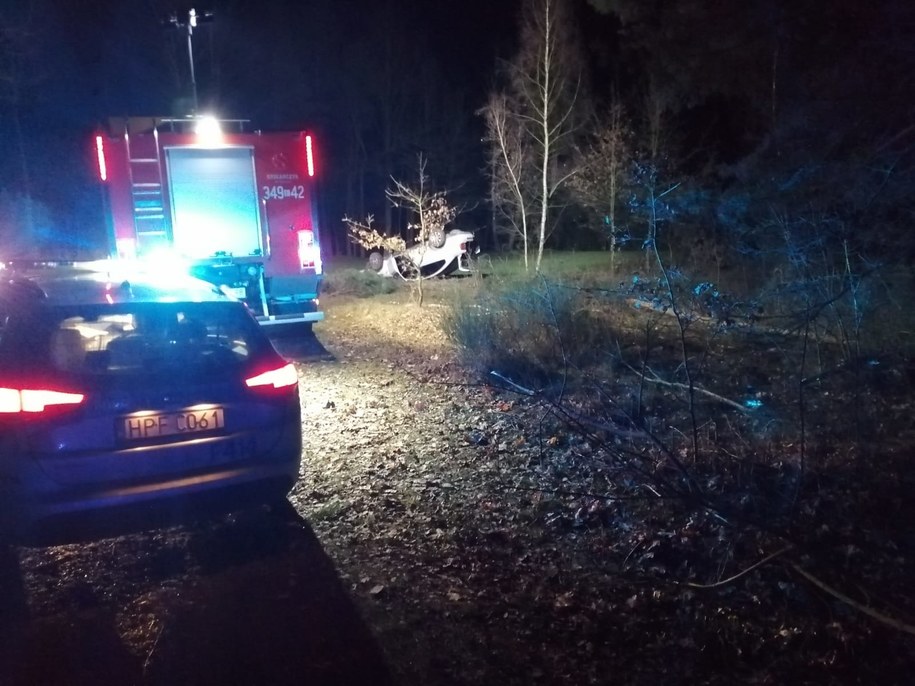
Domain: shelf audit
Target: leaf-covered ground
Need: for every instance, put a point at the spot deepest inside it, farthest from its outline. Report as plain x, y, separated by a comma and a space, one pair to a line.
448, 532
477, 535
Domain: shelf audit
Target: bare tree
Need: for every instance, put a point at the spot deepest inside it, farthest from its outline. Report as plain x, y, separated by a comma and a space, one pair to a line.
603, 175
650, 202
542, 98
656, 104
432, 214
509, 165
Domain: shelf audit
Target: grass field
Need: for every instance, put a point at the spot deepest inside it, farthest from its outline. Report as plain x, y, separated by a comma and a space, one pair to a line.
873, 310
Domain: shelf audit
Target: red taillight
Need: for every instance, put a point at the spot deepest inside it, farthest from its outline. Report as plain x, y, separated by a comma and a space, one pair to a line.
282, 377
102, 165
309, 156
309, 253
15, 400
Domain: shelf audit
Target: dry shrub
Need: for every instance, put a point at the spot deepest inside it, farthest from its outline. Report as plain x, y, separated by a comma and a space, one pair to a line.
533, 332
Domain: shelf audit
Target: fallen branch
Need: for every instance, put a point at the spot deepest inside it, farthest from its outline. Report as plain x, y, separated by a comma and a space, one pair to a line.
594, 425
749, 569
654, 378
869, 611
519, 389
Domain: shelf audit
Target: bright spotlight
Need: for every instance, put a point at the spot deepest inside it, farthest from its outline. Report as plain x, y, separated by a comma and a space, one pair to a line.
208, 130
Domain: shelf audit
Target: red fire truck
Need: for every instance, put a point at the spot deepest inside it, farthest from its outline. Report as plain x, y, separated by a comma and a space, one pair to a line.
237, 208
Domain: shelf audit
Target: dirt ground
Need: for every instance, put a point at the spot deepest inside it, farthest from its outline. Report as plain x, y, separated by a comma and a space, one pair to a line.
421, 548
459, 516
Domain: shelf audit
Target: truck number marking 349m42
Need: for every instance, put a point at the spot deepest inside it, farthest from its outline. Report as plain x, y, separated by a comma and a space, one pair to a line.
282, 192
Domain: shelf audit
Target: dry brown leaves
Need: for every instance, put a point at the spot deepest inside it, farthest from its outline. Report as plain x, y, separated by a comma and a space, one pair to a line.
484, 543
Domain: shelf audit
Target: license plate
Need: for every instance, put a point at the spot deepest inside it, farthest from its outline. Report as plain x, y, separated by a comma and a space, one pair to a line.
141, 427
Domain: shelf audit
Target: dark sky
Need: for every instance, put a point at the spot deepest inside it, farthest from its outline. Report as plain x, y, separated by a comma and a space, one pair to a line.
113, 49
282, 65
339, 67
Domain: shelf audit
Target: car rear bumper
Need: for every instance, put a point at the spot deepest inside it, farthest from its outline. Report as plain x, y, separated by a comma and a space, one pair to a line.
92, 514
42, 490
62, 503
177, 509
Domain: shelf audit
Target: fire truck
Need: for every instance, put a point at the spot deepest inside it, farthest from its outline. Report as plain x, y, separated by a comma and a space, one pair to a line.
234, 207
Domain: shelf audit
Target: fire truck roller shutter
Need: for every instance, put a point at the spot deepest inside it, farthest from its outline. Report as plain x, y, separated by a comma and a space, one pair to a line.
214, 199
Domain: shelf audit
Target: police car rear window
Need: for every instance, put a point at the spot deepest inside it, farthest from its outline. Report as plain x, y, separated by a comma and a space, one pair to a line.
133, 338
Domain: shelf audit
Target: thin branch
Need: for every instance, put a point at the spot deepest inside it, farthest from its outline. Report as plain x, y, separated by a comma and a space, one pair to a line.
730, 579
654, 378
669, 190
519, 389
838, 595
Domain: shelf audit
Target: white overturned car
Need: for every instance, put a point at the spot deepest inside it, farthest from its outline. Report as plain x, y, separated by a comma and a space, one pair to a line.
442, 254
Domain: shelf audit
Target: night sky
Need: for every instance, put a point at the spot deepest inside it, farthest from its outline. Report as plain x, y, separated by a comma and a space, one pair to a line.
281, 65
115, 55
379, 81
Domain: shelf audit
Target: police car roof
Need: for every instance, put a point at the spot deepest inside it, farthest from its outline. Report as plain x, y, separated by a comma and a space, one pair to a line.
106, 281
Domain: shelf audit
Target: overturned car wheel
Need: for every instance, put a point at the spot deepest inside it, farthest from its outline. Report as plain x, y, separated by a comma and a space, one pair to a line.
437, 238
376, 261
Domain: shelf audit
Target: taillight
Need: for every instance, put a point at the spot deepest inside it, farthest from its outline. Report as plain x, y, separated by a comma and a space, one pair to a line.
282, 377
309, 156
100, 152
309, 252
16, 400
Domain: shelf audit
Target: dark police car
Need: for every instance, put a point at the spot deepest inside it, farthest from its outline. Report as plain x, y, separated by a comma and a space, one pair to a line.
130, 389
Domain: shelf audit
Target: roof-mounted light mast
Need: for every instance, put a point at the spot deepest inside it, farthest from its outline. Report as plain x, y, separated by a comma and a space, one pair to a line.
193, 18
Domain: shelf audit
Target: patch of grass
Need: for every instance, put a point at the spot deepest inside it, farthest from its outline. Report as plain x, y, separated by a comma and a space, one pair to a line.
741, 293
567, 266
338, 263
361, 283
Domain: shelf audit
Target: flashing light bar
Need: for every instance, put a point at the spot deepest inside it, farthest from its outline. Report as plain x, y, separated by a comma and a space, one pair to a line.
309, 156
102, 165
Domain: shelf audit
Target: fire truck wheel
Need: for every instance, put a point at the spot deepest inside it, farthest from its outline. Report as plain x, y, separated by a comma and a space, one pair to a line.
376, 261
436, 238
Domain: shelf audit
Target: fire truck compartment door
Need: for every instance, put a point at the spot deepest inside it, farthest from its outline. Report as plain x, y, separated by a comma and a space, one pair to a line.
214, 201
